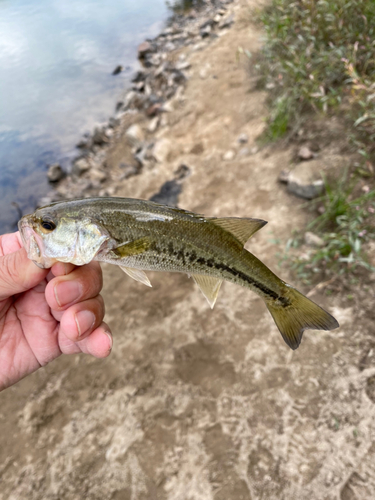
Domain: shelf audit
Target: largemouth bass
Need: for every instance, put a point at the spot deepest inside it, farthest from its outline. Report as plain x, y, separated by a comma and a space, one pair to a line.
140, 236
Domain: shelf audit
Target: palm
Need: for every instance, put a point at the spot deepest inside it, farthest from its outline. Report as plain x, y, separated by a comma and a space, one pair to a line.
34, 328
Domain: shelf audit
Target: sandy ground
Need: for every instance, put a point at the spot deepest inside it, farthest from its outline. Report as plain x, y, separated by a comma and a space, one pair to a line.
195, 404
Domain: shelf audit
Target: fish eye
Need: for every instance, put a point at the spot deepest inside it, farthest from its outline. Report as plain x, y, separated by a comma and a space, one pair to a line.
47, 225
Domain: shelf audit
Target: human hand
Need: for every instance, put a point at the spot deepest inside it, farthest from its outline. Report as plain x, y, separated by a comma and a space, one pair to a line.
46, 312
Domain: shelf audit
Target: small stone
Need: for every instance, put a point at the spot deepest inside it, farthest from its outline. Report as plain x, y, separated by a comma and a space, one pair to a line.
134, 135
162, 150
217, 18
100, 136
313, 240
168, 107
181, 172
203, 73
305, 154
205, 32
229, 155
254, 150
225, 23
55, 173
140, 76
183, 65
243, 139
284, 176
154, 109
128, 170
305, 180
118, 69
98, 175
244, 152
153, 125
79, 166
144, 49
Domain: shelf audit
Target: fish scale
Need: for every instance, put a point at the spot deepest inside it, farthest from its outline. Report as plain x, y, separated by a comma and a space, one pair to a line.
140, 235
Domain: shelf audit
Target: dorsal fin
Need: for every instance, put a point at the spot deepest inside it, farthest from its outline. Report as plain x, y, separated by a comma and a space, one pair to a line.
242, 229
209, 287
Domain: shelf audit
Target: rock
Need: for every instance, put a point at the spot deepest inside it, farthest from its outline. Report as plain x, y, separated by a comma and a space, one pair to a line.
181, 172
55, 173
153, 125
225, 23
97, 175
229, 155
101, 136
313, 240
128, 170
118, 69
181, 66
203, 73
305, 154
134, 135
244, 152
80, 166
206, 31
217, 18
154, 109
140, 76
144, 49
305, 181
168, 107
162, 150
139, 86
254, 150
243, 139
284, 176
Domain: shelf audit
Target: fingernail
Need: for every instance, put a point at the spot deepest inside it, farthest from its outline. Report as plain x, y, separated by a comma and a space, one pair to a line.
85, 321
67, 292
109, 335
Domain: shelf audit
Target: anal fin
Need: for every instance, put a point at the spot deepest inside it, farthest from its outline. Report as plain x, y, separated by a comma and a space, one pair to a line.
137, 275
209, 287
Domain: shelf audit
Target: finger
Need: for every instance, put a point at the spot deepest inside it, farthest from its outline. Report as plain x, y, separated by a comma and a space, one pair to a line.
82, 319
82, 283
62, 268
18, 274
98, 344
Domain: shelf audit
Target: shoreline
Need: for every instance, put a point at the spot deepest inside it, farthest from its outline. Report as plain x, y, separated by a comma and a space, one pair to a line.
143, 110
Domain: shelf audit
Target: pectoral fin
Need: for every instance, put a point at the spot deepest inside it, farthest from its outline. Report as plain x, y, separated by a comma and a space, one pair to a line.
242, 229
134, 247
137, 275
209, 287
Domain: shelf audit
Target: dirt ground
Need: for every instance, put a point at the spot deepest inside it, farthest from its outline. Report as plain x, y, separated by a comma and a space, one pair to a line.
195, 404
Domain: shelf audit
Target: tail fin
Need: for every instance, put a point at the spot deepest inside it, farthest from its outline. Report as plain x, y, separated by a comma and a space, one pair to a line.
301, 314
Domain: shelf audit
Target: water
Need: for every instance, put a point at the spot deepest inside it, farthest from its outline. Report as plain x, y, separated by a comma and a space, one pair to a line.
56, 82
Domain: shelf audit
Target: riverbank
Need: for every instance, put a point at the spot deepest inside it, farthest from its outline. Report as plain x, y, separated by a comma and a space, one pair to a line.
195, 403
128, 144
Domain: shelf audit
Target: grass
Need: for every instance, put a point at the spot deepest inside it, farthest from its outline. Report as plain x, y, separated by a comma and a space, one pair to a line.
318, 54
346, 225
319, 57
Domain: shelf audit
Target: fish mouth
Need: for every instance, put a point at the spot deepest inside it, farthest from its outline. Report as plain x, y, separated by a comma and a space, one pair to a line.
32, 242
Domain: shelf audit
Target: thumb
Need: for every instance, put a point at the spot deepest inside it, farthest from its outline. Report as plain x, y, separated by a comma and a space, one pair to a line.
18, 274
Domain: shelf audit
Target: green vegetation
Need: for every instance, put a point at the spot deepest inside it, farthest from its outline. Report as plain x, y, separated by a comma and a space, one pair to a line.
347, 222
319, 56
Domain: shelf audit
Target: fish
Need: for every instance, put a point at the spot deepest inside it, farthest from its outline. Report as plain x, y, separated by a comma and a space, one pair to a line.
140, 235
